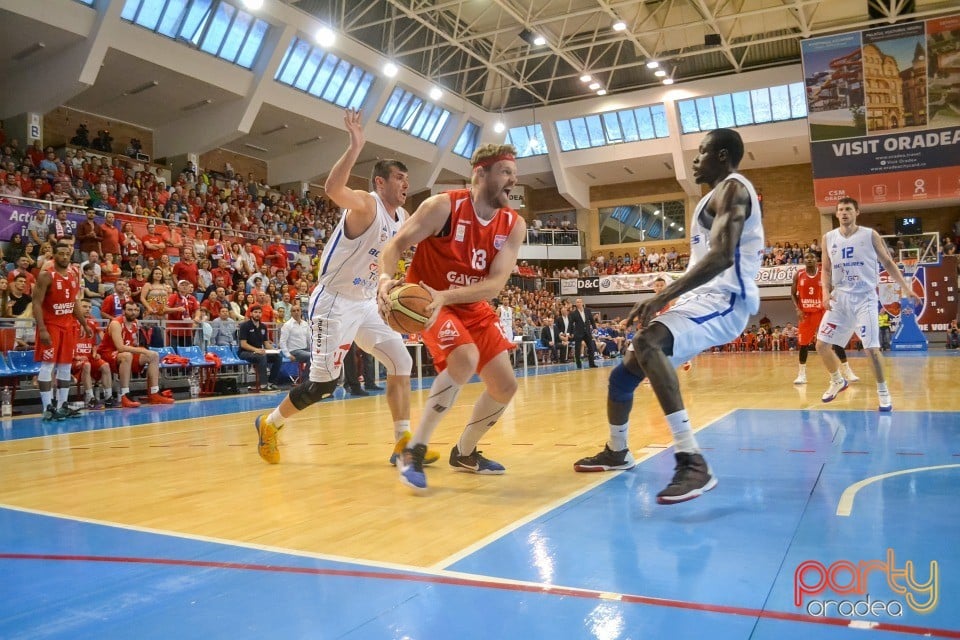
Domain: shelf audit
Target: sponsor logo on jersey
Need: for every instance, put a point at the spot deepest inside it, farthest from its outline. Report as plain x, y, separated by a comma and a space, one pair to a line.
447, 334
828, 329
499, 241
461, 232
695, 239
461, 279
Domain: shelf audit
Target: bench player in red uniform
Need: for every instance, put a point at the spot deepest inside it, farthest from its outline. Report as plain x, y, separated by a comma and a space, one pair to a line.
89, 366
122, 351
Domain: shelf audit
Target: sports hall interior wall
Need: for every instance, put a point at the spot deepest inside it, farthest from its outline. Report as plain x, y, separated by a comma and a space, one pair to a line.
217, 159
60, 125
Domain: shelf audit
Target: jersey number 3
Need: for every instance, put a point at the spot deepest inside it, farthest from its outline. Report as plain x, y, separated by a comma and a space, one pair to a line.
479, 259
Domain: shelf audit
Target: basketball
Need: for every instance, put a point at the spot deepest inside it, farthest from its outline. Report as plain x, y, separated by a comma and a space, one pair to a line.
408, 304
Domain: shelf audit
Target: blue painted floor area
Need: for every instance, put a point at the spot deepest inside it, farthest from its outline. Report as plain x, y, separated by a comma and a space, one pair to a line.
722, 566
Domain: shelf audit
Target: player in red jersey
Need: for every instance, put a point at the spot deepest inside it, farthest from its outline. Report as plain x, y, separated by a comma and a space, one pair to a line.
57, 315
807, 295
122, 351
89, 366
467, 245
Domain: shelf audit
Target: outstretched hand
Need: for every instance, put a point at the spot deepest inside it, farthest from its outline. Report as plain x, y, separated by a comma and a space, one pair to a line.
354, 125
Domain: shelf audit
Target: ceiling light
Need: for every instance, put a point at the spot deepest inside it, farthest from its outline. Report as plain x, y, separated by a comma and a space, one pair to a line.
28, 51
594, 86
436, 93
533, 144
680, 229
390, 70
325, 37
253, 5
255, 147
668, 81
196, 105
499, 127
601, 92
660, 73
532, 38
586, 77
144, 87
308, 141
539, 41
275, 129
619, 25
652, 64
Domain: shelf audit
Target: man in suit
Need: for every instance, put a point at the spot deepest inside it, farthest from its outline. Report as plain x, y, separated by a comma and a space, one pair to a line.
549, 338
583, 326
563, 327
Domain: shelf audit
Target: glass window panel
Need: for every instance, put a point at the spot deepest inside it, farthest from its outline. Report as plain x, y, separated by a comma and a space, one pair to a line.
628, 124
248, 55
218, 28
611, 124
308, 70
322, 78
336, 81
708, 121
742, 108
388, 109
595, 128
541, 141
170, 22
425, 116
409, 108
520, 138
660, 121
197, 16
438, 128
565, 134
798, 100
349, 86
761, 105
580, 134
780, 102
294, 62
466, 143
130, 10
150, 14
723, 107
360, 95
689, 121
236, 35
645, 123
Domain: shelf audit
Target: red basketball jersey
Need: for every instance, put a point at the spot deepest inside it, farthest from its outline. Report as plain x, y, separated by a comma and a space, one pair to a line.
87, 345
461, 255
130, 336
61, 297
809, 291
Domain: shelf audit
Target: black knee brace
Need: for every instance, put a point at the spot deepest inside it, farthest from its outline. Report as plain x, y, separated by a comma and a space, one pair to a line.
307, 393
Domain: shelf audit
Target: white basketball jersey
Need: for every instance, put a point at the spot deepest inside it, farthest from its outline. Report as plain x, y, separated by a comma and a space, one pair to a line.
505, 312
350, 266
854, 261
739, 279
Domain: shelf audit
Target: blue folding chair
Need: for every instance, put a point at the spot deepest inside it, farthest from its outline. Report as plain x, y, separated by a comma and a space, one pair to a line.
22, 363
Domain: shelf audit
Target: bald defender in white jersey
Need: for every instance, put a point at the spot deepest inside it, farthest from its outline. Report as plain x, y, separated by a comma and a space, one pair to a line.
713, 301
343, 306
850, 299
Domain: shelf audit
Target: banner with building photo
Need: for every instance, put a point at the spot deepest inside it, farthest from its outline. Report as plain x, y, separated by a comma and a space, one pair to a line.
884, 113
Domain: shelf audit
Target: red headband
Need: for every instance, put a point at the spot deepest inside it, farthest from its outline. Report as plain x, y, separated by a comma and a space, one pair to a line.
492, 160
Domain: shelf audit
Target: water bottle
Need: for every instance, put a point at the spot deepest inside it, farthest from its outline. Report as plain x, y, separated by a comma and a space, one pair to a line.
194, 385
6, 408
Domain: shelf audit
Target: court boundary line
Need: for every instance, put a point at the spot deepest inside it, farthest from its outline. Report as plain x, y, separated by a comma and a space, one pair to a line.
845, 504
454, 579
648, 452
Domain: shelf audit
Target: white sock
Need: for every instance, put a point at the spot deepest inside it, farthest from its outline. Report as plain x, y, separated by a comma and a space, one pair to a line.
683, 439
443, 394
46, 398
154, 390
63, 392
485, 414
400, 427
88, 394
107, 393
836, 377
124, 391
276, 418
882, 387
618, 436
803, 369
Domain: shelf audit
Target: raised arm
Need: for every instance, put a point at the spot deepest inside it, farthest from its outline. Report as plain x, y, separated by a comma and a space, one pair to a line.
361, 205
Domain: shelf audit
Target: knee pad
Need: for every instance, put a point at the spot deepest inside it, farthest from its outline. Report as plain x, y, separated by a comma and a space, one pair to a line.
394, 356
46, 372
622, 384
308, 393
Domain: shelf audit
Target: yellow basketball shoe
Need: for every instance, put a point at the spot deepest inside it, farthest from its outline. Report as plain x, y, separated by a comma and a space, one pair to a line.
429, 458
267, 446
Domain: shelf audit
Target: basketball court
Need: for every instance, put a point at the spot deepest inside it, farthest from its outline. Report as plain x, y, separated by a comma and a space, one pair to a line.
163, 522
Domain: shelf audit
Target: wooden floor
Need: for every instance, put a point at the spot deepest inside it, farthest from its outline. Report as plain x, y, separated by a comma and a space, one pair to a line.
334, 492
